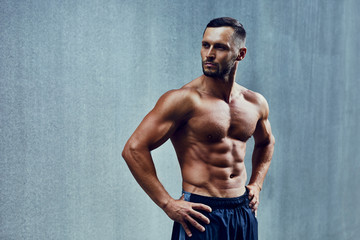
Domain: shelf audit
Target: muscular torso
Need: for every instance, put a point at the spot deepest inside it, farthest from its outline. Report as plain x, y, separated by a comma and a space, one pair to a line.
211, 142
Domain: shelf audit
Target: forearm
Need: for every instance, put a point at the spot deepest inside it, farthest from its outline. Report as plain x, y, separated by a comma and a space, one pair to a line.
261, 160
141, 165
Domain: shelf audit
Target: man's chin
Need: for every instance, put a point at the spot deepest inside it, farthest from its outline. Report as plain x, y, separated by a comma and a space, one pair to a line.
210, 73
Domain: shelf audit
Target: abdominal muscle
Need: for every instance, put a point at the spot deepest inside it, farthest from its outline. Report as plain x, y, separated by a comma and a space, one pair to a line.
213, 169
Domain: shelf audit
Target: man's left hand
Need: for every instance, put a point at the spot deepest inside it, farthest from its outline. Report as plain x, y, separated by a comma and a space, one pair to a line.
254, 196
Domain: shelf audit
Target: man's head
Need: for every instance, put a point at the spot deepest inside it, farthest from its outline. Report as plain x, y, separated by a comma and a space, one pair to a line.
223, 44
239, 35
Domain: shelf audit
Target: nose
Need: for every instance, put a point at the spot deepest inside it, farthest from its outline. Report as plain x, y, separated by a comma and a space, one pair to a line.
210, 53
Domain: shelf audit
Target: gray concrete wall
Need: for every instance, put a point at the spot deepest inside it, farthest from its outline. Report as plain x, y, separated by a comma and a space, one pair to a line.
77, 77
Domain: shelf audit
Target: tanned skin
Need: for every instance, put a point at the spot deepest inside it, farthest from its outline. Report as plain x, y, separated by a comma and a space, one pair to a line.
208, 121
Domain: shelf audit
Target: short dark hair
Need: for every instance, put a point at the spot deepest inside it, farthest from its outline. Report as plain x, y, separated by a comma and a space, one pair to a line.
239, 30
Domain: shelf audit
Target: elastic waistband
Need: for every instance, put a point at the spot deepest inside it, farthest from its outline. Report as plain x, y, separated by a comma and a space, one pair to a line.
216, 202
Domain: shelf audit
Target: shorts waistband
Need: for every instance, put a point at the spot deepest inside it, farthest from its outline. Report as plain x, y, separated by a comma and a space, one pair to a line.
216, 202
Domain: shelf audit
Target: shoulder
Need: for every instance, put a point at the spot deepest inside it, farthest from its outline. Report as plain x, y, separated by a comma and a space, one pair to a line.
177, 103
184, 95
257, 99
187, 94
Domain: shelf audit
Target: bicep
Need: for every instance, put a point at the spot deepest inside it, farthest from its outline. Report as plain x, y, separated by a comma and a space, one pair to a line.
161, 122
154, 130
263, 134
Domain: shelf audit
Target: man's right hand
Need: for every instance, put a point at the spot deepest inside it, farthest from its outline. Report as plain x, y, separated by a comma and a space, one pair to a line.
184, 212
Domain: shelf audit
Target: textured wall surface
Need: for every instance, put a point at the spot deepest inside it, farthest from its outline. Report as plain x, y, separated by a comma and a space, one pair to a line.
77, 77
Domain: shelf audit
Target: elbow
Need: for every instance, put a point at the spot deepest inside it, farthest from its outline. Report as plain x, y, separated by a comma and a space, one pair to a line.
131, 149
124, 153
128, 148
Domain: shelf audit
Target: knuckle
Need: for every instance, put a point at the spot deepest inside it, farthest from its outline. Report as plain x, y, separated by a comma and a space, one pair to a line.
194, 223
185, 226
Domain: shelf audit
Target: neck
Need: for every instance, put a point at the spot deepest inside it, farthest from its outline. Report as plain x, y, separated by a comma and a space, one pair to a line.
221, 87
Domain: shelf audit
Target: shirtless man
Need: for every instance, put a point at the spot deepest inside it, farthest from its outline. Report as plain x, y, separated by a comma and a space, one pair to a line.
208, 121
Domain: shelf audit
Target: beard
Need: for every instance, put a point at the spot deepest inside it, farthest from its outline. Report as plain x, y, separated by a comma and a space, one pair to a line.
217, 71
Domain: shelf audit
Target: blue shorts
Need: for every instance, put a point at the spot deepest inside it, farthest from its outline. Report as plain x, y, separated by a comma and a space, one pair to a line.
230, 219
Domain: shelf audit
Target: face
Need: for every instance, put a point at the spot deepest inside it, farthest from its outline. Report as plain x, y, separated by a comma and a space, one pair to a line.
218, 52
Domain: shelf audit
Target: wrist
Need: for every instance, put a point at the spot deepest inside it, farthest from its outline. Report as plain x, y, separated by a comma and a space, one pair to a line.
164, 206
256, 185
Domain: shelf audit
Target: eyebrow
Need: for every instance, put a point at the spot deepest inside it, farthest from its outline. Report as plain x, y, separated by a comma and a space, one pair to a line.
216, 44
221, 45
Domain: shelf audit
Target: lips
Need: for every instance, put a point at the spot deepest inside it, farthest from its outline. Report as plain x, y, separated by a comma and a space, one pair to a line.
209, 64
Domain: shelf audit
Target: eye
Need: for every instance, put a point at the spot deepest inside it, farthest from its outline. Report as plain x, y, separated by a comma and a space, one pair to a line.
220, 47
205, 45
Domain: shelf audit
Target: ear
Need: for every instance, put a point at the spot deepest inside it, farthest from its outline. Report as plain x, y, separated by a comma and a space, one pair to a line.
242, 53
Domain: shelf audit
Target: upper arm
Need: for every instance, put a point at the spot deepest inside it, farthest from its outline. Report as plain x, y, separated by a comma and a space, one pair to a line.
162, 121
263, 134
